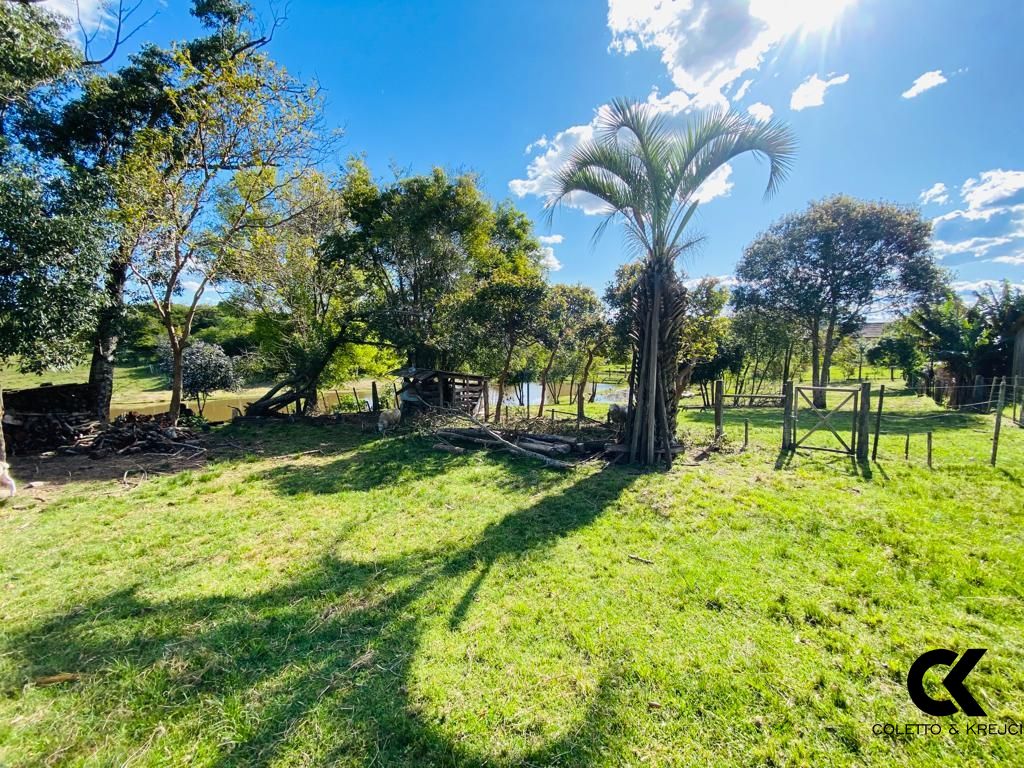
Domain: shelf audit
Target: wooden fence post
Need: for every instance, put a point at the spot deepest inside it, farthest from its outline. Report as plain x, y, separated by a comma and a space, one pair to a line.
929, 450
487, 400
906, 448
374, 397
863, 423
359, 406
719, 397
999, 419
788, 430
878, 423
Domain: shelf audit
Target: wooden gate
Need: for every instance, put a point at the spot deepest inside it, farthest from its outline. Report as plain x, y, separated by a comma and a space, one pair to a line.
825, 418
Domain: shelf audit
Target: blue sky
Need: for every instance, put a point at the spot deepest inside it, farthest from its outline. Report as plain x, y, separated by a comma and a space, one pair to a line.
472, 85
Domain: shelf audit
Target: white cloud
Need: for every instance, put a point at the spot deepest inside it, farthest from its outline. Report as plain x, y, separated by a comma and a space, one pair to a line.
977, 246
549, 261
538, 144
742, 90
551, 239
990, 187
724, 281
936, 193
706, 45
977, 286
925, 82
811, 92
761, 111
717, 185
1016, 259
982, 194
542, 168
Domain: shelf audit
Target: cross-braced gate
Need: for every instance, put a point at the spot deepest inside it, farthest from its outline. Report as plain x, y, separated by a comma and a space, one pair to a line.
825, 418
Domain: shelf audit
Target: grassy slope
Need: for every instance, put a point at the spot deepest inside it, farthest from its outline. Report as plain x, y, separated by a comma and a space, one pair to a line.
384, 603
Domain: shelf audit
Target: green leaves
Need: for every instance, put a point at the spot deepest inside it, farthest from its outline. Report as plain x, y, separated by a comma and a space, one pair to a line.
51, 259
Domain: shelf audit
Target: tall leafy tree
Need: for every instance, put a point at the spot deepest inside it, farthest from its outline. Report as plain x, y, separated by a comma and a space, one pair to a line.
417, 242
828, 266
281, 269
50, 240
103, 129
51, 256
501, 311
648, 175
244, 118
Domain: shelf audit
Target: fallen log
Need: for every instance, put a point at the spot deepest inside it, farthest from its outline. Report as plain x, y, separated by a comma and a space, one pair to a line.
546, 448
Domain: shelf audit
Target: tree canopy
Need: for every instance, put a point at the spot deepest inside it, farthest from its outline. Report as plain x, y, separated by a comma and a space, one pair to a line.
828, 266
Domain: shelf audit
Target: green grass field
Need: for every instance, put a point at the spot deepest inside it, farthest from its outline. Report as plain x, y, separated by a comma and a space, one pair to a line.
381, 603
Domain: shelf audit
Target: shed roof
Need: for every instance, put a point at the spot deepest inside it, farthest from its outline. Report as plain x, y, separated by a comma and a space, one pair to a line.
419, 374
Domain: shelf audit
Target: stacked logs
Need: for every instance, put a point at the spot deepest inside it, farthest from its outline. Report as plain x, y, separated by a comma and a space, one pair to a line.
134, 433
81, 435
36, 432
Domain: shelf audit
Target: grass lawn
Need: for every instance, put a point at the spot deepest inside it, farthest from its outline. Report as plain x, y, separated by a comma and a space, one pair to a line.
381, 603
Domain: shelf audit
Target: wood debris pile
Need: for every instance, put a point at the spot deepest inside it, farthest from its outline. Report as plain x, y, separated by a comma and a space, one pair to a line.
82, 435
35, 432
133, 433
554, 450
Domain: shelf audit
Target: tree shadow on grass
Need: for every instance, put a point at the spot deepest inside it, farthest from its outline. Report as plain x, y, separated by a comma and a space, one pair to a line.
320, 666
393, 461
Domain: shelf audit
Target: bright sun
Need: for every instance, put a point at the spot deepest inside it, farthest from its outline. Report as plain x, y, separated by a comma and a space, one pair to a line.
788, 16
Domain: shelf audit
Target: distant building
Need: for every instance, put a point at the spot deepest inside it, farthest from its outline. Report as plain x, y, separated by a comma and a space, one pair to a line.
872, 331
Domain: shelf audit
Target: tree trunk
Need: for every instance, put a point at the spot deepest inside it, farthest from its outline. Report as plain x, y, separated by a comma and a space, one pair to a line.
544, 383
826, 362
819, 397
788, 361
176, 382
582, 385
657, 324
501, 386
101, 370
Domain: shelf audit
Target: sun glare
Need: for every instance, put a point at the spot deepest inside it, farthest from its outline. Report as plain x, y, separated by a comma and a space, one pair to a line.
788, 16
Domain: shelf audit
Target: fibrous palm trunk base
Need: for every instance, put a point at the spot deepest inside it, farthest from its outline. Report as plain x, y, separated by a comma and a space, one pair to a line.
658, 314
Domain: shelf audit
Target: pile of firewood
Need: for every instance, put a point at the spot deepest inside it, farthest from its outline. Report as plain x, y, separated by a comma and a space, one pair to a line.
82, 435
134, 433
552, 446
560, 451
36, 432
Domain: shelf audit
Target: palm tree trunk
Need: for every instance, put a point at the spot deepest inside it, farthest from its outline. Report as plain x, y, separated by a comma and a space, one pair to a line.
650, 428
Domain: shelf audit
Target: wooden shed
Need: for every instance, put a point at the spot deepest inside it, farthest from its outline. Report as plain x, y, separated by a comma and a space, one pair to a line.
446, 389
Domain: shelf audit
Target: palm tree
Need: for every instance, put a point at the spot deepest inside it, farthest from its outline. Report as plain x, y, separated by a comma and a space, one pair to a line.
648, 175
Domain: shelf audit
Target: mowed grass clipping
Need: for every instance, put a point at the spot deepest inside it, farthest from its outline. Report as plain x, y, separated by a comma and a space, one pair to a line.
381, 603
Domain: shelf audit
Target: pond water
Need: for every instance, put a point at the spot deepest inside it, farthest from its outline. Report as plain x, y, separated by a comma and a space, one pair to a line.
606, 393
221, 407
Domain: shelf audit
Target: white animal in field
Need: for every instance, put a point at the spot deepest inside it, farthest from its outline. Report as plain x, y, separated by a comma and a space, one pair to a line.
6, 480
617, 413
389, 419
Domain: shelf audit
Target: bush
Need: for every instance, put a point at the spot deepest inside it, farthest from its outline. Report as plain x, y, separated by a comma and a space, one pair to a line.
206, 368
